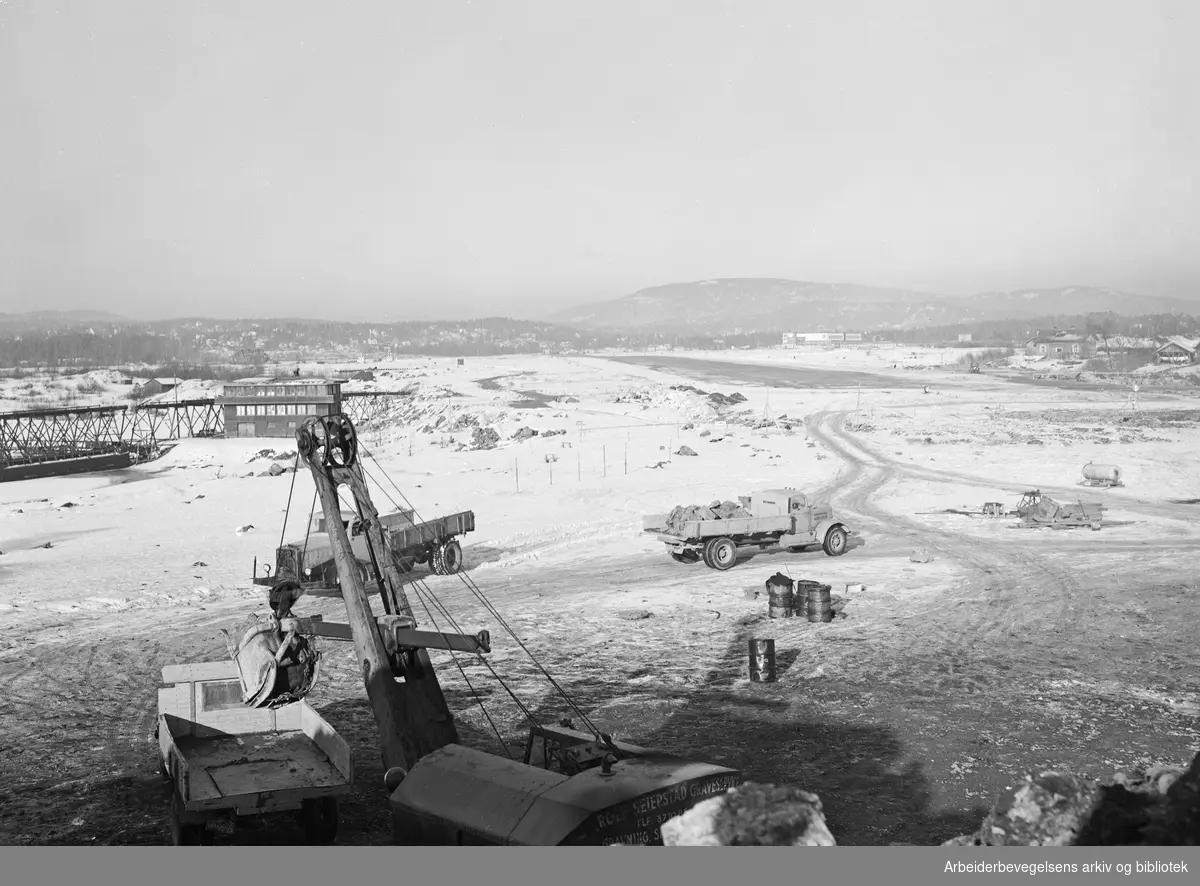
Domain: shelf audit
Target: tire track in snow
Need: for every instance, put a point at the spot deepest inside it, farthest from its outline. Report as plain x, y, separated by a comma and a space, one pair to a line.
961, 647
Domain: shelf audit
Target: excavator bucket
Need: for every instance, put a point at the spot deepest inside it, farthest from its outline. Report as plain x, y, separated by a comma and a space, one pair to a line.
275, 668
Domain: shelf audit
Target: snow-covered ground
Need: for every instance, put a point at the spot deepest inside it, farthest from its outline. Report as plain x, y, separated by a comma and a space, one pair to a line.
149, 557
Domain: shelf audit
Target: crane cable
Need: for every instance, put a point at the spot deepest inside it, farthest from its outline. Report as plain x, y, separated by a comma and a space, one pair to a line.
500, 618
358, 511
474, 692
288, 509
423, 592
467, 680
492, 609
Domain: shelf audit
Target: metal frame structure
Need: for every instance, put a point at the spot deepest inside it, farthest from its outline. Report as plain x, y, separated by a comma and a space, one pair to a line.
363, 407
45, 435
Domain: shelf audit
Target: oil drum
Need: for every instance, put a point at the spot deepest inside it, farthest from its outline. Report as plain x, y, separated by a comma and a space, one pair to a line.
804, 587
780, 601
820, 605
762, 661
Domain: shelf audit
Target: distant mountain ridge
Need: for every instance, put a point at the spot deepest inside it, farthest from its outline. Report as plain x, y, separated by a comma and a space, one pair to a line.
770, 304
31, 320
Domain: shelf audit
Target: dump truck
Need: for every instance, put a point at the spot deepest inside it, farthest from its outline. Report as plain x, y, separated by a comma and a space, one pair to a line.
226, 761
309, 559
783, 517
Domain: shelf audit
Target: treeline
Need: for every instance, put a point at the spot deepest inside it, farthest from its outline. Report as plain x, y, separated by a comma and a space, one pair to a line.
86, 348
189, 347
333, 333
1106, 323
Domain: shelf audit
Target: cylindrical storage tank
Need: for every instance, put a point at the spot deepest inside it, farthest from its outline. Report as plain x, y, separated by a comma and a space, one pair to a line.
762, 661
820, 605
1110, 473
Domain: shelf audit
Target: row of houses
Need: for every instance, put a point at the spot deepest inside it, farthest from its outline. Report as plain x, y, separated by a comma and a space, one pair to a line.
1068, 345
1062, 345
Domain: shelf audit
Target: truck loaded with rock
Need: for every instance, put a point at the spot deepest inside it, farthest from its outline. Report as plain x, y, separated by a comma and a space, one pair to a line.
773, 517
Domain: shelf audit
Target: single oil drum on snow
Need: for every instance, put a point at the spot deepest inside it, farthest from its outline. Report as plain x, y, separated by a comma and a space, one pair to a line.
762, 661
780, 597
820, 605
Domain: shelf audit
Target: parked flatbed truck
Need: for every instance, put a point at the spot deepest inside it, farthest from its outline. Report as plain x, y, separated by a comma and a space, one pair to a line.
309, 560
782, 517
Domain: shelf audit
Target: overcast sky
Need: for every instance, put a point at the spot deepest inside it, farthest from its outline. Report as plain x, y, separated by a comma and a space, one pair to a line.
445, 158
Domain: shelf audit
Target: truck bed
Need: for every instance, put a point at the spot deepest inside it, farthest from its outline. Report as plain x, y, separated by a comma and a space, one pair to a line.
232, 767
438, 529
223, 755
734, 526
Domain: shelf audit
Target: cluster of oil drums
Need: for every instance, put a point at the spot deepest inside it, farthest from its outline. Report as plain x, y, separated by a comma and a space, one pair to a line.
799, 599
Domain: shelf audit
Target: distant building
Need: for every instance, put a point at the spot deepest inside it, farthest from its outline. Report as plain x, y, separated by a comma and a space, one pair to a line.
1108, 345
155, 386
1177, 350
834, 339
1060, 346
964, 336
275, 407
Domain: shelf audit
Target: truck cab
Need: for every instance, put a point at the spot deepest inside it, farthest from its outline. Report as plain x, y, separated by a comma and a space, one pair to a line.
784, 503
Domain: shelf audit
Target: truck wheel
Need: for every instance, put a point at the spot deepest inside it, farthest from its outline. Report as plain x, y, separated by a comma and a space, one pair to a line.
187, 833
722, 553
437, 560
690, 556
835, 542
320, 821
452, 557
706, 553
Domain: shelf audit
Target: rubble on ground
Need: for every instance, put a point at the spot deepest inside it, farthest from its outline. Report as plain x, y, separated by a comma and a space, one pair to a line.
685, 450
1157, 807
272, 455
752, 815
726, 399
484, 438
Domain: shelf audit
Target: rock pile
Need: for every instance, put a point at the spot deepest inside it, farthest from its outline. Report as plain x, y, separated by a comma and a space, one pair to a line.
718, 510
1159, 807
271, 454
726, 399
484, 438
752, 815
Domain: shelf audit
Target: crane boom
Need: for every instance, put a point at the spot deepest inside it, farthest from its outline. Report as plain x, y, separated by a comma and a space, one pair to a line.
402, 686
